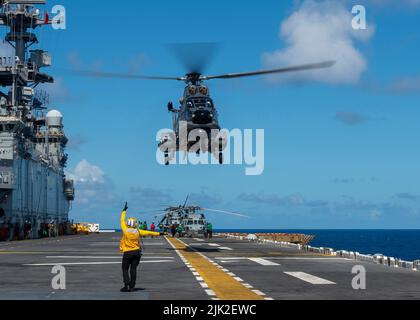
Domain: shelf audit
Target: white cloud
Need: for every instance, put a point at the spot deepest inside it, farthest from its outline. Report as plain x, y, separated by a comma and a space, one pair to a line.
321, 31
399, 3
97, 198
87, 173
93, 188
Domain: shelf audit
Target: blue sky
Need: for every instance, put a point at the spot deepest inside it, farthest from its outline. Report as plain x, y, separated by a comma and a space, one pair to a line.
342, 148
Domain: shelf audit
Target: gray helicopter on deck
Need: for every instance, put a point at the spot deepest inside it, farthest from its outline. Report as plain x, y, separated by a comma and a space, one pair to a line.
191, 217
197, 112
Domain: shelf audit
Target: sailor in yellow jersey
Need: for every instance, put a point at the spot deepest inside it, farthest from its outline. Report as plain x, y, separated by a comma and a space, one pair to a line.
130, 246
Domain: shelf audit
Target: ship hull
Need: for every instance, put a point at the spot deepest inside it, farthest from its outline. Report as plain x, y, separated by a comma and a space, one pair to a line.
33, 203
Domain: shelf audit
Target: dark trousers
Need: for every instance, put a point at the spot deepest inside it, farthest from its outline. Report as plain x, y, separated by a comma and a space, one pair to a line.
130, 263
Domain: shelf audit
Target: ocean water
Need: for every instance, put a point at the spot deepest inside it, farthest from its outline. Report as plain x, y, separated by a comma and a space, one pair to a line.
403, 244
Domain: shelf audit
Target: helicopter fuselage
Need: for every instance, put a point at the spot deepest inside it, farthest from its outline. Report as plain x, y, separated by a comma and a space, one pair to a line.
195, 122
197, 109
190, 217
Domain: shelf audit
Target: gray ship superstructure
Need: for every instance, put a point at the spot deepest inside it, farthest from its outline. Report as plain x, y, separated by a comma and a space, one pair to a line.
35, 196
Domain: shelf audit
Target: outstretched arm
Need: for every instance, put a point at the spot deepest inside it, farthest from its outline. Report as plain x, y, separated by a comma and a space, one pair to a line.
144, 233
123, 214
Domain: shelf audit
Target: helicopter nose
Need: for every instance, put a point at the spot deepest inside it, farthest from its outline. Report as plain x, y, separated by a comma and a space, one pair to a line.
202, 117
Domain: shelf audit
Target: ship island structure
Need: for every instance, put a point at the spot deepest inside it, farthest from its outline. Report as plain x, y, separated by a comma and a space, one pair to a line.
35, 195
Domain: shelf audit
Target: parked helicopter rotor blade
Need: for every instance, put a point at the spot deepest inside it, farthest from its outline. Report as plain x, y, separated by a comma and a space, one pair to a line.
163, 211
163, 219
111, 75
314, 66
160, 215
152, 213
152, 216
226, 212
195, 57
170, 210
186, 201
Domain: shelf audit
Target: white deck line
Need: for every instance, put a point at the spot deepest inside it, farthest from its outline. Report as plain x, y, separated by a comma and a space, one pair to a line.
263, 262
309, 278
84, 263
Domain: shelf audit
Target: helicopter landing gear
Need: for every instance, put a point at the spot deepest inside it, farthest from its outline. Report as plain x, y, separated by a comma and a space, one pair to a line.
167, 159
220, 158
220, 151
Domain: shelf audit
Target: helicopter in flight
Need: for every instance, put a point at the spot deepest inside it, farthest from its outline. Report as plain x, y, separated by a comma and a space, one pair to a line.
197, 112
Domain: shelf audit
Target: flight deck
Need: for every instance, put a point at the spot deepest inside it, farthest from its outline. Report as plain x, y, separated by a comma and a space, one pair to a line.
191, 269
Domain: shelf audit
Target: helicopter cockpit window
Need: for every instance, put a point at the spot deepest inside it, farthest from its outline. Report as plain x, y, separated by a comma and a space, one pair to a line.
199, 103
186, 112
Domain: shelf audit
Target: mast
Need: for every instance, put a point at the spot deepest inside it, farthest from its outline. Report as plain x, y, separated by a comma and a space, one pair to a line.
21, 17
30, 138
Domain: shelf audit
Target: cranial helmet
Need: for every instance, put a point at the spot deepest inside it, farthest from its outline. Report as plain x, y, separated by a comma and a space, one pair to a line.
132, 223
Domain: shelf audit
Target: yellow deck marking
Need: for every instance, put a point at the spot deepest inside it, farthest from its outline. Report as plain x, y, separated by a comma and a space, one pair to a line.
224, 286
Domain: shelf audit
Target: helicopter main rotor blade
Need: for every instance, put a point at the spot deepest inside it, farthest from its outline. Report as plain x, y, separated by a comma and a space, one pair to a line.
226, 212
314, 66
110, 75
195, 57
